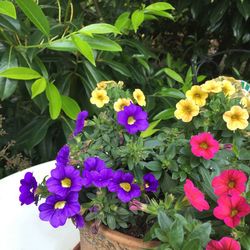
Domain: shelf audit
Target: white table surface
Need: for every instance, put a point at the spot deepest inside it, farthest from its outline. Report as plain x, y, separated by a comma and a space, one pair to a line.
20, 226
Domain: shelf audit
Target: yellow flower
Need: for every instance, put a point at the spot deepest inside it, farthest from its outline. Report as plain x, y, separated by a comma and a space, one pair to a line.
197, 95
236, 118
139, 97
121, 103
211, 86
102, 85
186, 110
99, 97
227, 88
245, 101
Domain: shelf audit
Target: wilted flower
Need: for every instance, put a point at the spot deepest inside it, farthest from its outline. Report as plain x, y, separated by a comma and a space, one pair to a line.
195, 196
229, 182
204, 145
62, 158
78, 221
121, 103
197, 95
133, 118
28, 188
236, 118
228, 146
99, 97
136, 205
225, 243
231, 209
80, 120
211, 86
150, 183
139, 97
102, 84
186, 110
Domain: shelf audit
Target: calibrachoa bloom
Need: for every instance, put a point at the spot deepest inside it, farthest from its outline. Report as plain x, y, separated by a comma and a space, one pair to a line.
226, 243
102, 85
229, 182
245, 102
64, 180
57, 209
139, 97
78, 221
121, 103
28, 188
91, 165
99, 97
102, 178
195, 196
227, 88
211, 86
80, 120
133, 118
122, 184
186, 110
204, 145
231, 209
197, 95
62, 158
150, 183
236, 118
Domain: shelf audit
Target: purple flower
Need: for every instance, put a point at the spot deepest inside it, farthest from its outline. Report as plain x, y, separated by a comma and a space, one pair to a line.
101, 179
27, 189
57, 209
62, 158
64, 180
91, 165
80, 120
122, 184
150, 183
78, 221
133, 118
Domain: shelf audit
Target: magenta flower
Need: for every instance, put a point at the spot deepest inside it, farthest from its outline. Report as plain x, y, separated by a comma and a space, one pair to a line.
64, 180
204, 145
133, 118
136, 205
195, 196
122, 184
225, 243
229, 182
28, 188
80, 121
231, 209
150, 183
62, 158
57, 209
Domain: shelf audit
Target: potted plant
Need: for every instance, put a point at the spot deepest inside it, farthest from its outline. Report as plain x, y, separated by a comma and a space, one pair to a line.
128, 185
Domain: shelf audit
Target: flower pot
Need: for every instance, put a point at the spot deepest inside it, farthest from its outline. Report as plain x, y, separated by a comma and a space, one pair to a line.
107, 239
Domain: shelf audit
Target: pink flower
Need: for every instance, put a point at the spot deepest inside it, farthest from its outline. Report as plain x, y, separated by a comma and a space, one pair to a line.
229, 182
225, 243
195, 196
204, 145
231, 209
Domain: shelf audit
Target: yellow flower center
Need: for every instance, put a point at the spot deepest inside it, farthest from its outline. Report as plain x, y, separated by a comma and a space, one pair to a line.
100, 97
60, 205
204, 145
131, 120
231, 184
234, 212
146, 185
66, 182
125, 186
235, 117
197, 95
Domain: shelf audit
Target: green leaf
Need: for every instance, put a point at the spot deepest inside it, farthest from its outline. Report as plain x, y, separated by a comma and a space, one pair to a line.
192, 244
137, 19
111, 222
153, 166
165, 114
173, 75
123, 21
164, 221
55, 101
171, 92
176, 235
160, 6
35, 15
119, 67
20, 73
150, 130
245, 241
38, 87
244, 154
70, 107
99, 28
62, 45
84, 48
159, 13
201, 232
7, 8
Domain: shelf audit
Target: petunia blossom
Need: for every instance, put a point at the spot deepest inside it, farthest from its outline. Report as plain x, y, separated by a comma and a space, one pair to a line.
231, 209
80, 121
226, 243
204, 145
229, 182
195, 196
62, 158
150, 183
102, 178
78, 221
